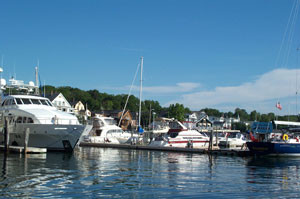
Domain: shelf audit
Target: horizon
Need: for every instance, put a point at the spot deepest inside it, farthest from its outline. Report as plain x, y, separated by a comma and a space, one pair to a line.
202, 54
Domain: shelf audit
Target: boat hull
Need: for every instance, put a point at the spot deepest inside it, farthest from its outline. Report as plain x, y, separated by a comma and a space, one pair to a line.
52, 137
276, 149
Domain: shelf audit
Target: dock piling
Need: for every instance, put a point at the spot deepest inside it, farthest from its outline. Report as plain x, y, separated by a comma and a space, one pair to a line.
6, 136
26, 137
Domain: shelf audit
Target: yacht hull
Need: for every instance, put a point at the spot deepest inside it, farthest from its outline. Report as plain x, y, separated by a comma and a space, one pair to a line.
52, 137
277, 149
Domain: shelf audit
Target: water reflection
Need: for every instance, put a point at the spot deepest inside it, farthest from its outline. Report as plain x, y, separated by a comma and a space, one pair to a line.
113, 173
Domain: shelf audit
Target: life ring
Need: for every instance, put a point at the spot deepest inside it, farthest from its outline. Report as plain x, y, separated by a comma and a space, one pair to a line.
285, 137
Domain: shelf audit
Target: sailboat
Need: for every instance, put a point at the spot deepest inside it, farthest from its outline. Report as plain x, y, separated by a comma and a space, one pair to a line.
270, 141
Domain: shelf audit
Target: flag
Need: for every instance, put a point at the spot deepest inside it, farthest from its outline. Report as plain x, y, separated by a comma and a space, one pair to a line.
278, 105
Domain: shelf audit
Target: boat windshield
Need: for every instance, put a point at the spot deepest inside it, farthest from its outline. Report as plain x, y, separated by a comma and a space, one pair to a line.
110, 121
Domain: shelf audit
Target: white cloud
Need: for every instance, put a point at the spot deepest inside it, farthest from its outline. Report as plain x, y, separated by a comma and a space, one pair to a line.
276, 84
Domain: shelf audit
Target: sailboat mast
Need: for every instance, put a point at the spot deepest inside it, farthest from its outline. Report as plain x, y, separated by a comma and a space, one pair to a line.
141, 89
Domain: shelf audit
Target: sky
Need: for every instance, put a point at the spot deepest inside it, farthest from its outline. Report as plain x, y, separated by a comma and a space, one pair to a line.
199, 53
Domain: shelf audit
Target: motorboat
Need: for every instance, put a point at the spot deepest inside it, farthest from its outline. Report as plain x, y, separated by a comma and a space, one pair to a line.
233, 140
47, 127
180, 136
105, 130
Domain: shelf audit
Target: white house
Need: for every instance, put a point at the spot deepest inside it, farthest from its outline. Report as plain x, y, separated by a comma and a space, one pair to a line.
60, 102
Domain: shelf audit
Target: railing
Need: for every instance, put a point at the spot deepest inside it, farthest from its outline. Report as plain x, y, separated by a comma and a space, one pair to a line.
57, 121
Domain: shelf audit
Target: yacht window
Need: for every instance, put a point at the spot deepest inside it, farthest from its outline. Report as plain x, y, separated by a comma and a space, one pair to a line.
43, 102
6, 102
29, 120
24, 119
35, 101
19, 101
13, 102
174, 135
26, 101
49, 103
3, 103
19, 120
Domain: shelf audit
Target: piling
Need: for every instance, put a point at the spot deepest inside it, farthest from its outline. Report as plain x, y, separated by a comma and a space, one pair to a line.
6, 137
26, 138
210, 146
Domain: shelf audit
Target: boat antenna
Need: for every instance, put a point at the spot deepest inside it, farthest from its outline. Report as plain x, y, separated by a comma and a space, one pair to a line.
141, 89
36, 77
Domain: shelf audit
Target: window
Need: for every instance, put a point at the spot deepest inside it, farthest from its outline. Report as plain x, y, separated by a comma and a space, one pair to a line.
13, 102
19, 120
29, 120
43, 102
49, 103
19, 101
24, 119
26, 101
6, 102
35, 101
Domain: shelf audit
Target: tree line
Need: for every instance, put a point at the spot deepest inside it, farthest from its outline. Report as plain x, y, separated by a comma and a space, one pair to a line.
97, 101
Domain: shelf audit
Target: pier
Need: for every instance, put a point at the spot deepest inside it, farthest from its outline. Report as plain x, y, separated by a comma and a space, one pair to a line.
20, 149
213, 151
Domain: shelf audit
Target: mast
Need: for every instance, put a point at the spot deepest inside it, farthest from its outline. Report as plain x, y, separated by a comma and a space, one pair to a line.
141, 86
37, 79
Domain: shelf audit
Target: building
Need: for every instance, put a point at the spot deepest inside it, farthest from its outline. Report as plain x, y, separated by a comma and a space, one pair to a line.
80, 110
60, 102
128, 121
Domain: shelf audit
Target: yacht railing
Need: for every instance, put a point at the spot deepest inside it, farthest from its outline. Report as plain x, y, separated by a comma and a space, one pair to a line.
57, 121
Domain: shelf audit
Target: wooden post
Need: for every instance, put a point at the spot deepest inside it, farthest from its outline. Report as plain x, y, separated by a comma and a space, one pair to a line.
217, 136
6, 136
210, 140
26, 137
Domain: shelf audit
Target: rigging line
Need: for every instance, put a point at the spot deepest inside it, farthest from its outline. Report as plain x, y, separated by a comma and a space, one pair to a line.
137, 69
291, 34
284, 37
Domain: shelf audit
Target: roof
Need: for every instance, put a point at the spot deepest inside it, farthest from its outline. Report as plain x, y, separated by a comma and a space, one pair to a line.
52, 96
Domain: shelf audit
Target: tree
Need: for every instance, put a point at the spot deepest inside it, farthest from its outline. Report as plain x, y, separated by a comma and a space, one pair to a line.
177, 111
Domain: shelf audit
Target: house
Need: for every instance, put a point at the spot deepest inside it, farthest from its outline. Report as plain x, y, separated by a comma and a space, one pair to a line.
80, 110
60, 102
128, 121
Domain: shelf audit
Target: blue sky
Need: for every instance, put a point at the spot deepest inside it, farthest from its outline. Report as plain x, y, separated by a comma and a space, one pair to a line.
201, 53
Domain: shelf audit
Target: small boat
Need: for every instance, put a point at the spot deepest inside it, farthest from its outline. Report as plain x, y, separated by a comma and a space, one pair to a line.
105, 130
274, 143
232, 140
180, 136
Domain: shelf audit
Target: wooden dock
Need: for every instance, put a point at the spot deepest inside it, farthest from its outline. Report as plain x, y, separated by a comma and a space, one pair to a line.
20, 149
214, 151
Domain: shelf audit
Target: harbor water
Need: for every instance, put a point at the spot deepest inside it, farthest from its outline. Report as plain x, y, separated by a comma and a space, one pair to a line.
116, 173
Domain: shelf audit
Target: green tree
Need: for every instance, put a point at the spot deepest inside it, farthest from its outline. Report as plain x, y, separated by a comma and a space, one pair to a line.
177, 111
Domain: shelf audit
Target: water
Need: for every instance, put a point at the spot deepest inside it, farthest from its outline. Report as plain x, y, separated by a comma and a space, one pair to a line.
113, 173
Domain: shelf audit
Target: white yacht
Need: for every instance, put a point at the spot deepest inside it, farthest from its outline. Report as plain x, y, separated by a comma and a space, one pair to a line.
181, 136
48, 127
105, 130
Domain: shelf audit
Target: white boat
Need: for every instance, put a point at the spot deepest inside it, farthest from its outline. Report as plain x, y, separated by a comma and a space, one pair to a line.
180, 136
105, 130
48, 127
233, 140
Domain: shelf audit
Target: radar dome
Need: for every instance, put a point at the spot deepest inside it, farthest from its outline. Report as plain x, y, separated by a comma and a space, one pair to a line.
31, 83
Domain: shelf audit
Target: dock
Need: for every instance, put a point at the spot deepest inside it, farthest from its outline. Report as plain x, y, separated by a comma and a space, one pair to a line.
214, 151
20, 149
